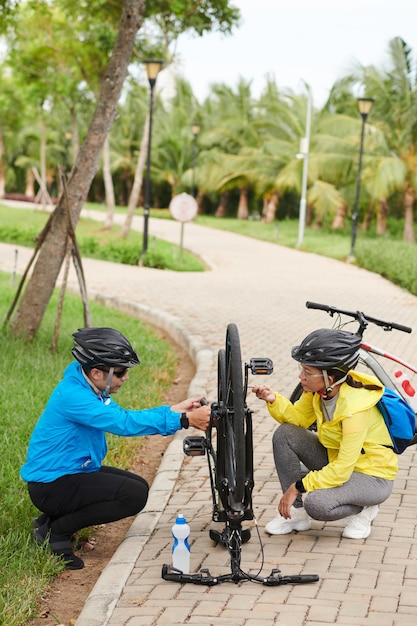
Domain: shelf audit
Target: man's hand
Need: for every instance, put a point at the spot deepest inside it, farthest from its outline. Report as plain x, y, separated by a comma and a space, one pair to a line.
199, 418
188, 405
198, 414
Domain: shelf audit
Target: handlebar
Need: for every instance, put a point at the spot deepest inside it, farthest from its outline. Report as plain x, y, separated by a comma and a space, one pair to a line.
205, 578
360, 317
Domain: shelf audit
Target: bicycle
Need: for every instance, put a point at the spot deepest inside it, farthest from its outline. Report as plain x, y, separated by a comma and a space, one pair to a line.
367, 350
230, 463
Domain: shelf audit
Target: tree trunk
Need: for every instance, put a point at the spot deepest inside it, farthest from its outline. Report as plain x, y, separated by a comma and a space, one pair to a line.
270, 207
408, 233
75, 136
242, 209
138, 180
199, 200
309, 214
30, 183
40, 287
381, 217
222, 206
108, 185
3, 165
368, 217
339, 219
43, 195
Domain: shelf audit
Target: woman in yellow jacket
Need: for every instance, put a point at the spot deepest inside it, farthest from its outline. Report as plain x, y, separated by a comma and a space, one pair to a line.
351, 464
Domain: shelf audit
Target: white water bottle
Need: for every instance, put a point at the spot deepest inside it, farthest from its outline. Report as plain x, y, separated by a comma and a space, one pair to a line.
408, 388
181, 547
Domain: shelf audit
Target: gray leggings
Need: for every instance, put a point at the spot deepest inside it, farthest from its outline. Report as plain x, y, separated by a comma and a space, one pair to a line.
293, 445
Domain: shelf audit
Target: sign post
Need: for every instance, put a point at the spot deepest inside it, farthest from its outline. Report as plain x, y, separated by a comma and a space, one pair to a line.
183, 208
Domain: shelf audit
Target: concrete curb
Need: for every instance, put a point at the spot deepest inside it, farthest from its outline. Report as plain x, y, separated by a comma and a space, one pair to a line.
103, 597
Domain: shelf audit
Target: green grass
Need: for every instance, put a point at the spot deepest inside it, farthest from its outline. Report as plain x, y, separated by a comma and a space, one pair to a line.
22, 226
29, 372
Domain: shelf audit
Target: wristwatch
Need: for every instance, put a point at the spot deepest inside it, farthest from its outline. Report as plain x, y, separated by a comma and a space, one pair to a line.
300, 487
184, 421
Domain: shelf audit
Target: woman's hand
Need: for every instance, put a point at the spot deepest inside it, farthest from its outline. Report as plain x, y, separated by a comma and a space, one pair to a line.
287, 500
263, 392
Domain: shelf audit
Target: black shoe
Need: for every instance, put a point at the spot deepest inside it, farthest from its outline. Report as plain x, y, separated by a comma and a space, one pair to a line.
41, 533
40, 520
61, 546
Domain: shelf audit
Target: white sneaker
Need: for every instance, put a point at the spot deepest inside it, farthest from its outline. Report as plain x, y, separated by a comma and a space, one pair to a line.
359, 526
280, 526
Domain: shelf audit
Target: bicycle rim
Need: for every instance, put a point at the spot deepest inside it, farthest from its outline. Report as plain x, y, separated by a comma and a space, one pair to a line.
235, 420
221, 377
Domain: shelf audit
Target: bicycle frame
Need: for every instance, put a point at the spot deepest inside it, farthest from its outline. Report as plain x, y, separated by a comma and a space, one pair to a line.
231, 467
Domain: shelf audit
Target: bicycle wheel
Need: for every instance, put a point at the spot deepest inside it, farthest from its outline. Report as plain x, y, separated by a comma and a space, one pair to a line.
296, 395
221, 377
234, 402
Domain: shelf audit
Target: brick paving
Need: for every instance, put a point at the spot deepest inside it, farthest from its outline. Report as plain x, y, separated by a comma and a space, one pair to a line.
263, 289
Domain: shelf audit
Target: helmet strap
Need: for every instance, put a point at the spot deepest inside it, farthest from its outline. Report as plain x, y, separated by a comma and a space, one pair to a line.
106, 393
329, 388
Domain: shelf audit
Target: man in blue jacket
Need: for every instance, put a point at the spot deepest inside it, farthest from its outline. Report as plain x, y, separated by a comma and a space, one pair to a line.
66, 479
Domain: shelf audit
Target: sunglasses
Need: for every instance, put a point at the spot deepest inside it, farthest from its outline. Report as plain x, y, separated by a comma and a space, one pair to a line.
118, 374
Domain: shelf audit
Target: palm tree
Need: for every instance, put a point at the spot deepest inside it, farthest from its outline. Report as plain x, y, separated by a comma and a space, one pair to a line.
395, 91
230, 141
173, 139
284, 119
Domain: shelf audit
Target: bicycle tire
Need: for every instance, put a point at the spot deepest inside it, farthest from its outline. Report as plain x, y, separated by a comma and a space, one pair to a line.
235, 452
220, 466
296, 395
221, 377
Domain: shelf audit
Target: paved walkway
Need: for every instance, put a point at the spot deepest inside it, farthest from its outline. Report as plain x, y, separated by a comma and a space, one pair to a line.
263, 289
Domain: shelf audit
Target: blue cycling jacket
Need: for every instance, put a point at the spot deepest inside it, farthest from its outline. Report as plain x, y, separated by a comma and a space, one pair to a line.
69, 437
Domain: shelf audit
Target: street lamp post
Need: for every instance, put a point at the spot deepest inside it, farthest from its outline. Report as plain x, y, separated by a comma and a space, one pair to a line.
365, 106
195, 128
153, 67
303, 154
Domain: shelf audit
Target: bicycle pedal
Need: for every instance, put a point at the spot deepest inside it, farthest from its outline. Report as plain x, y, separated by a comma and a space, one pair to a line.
194, 446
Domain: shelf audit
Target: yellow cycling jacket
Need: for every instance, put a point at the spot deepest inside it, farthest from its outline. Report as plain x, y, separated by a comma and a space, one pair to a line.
356, 439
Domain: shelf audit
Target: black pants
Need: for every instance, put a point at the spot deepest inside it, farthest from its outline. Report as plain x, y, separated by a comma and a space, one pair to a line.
88, 499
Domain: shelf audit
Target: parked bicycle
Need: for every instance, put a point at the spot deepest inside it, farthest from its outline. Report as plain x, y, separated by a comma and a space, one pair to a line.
371, 357
367, 359
228, 444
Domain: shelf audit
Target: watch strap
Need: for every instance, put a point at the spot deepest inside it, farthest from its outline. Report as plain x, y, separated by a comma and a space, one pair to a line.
184, 421
300, 487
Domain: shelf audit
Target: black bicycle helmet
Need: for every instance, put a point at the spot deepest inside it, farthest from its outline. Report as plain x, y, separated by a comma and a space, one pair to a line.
103, 346
328, 349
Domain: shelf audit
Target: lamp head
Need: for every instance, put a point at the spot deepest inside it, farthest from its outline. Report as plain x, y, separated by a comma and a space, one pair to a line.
153, 67
365, 106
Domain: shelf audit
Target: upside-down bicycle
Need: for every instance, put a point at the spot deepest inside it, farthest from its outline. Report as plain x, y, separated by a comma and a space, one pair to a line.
230, 462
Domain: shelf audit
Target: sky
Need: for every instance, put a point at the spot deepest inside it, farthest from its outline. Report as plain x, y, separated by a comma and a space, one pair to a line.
297, 42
